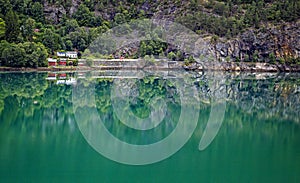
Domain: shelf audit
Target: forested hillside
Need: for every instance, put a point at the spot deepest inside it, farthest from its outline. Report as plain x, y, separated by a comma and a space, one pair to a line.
30, 31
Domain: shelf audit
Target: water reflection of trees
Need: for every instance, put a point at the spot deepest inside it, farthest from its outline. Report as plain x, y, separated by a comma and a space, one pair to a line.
30, 103
142, 92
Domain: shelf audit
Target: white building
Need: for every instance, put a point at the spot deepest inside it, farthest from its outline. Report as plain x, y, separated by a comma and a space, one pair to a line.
71, 54
61, 54
68, 54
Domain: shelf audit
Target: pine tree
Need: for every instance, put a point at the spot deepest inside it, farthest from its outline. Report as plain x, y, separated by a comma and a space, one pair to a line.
12, 26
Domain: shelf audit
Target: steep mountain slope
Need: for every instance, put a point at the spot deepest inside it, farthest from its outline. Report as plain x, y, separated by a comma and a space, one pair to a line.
236, 30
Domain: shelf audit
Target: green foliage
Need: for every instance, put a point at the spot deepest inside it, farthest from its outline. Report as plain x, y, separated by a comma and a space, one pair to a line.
272, 58
26, 54
171, 56
71, 26
120, 18
152, 47
36, 54
220, 8
12, 26
75, 62
281, 60
51, 40
85, 17
2, 28
179, 56
255, 56
5, 6
28, 29
68, 44
13, 56
79, 39
150, 59
3, 45
232, 20
189, 60
37, 12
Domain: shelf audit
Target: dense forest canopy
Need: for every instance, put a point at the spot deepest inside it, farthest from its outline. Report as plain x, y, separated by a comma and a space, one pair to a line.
35, 29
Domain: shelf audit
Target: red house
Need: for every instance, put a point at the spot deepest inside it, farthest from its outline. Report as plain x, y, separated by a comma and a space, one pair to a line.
62, 61
51, 62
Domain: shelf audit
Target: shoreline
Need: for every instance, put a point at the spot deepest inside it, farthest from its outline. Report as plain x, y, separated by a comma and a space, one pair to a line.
243, 67
203, 66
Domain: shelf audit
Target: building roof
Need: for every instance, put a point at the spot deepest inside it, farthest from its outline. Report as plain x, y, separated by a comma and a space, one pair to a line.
52, 60
71, 52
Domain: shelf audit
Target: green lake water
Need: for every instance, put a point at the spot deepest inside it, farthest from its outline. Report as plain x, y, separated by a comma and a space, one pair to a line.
68, 127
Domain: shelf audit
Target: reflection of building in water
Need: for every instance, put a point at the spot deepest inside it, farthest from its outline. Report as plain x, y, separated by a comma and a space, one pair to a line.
51, 76
69, 81
61, 78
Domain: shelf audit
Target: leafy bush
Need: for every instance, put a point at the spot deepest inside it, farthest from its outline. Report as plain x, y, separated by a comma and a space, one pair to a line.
89, 62
172, 56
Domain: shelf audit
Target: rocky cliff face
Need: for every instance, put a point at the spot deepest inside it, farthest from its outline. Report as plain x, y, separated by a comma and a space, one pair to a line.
54, 12
269, 44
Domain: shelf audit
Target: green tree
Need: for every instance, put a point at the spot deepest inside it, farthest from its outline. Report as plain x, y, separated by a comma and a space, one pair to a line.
179, 56
172, 56
69, 45
149, 50
120, 18
90, 4
79, 39
31, 57
220, 9
12, 26
71, 26
26, 54
28, 29
142, 49
2, 28
37, 11
5, 6
13, 56
83, 16
51, 40
36, 54
3, 45
42, 53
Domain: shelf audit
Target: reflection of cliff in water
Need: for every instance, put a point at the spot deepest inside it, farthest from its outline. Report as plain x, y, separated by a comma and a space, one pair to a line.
267, 95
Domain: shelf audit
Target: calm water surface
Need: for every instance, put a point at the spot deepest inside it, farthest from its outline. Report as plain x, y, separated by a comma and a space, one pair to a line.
47, 121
